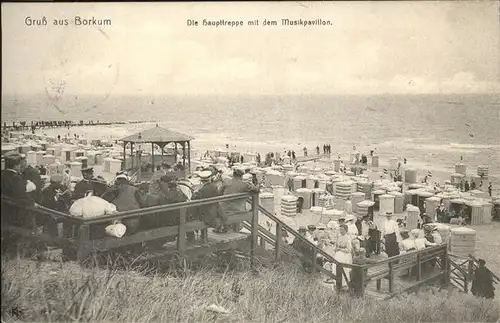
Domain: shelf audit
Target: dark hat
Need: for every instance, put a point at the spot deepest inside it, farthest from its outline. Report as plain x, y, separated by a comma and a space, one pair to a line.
302, 229
311, 227
87, 169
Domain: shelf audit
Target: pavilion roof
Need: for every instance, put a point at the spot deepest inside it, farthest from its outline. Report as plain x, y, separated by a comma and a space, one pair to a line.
158, 135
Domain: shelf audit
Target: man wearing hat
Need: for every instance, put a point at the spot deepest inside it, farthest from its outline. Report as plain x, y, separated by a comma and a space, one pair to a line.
56, 196
209, 213
13, 183
234, 186
352, 230
432, 235
85, 185
390, 232
127, 198
14, 187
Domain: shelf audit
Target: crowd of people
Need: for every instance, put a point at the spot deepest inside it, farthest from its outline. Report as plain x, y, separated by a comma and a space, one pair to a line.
353, 239
22, 183
466, 186
349, 239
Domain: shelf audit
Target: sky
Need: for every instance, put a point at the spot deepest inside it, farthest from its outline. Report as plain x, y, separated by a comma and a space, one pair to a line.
371, 48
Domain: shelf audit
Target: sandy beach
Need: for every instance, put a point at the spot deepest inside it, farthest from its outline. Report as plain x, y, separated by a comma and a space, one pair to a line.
203, 143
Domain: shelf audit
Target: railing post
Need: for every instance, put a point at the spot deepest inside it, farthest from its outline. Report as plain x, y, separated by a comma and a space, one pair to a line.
419, 267
338, 277
359, 282
255, 228
181, 238
83, 238
391, 277
470, 269
470, 272
446, 268
277, 245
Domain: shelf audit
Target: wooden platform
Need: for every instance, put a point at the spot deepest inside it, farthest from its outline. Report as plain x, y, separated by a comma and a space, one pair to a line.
216, 242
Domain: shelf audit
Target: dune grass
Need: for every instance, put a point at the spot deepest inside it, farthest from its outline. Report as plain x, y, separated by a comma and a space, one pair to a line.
43, 292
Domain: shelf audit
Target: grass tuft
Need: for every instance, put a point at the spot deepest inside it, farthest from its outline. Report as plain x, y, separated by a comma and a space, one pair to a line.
48, 291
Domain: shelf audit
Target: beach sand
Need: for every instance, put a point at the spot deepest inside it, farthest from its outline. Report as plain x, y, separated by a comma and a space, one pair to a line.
201, 144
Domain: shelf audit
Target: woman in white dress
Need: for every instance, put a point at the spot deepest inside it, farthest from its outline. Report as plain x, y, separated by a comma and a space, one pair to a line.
343, 252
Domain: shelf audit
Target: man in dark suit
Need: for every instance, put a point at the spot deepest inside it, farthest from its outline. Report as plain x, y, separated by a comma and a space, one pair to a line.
14, 188
85, 185
13, 183
234, 186
210, 212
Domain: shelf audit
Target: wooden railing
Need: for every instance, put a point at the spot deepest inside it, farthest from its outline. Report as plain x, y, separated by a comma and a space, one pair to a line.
280, 247
78, 237
77, 230
412, 263
462, 272
414, 260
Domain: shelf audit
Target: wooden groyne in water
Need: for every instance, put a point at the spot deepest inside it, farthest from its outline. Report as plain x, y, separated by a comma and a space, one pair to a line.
44, 124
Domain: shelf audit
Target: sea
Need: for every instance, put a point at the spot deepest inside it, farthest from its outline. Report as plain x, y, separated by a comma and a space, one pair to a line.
430, 131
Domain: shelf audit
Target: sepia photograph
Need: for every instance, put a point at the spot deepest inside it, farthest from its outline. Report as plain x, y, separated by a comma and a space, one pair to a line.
288, 161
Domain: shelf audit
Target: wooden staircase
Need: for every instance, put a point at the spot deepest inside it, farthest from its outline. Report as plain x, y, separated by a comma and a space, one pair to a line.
381, 280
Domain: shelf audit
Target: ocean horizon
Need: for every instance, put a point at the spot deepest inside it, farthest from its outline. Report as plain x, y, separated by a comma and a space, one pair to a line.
433, 131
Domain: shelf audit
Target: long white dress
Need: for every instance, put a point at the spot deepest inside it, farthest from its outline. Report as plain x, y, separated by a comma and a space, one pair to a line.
343, 254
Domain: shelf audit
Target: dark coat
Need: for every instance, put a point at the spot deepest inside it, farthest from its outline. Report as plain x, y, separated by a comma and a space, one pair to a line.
482, 283
14, 187
236, 186
128, 199
171, 196
48, 199
32, 174
209, 212
81, 188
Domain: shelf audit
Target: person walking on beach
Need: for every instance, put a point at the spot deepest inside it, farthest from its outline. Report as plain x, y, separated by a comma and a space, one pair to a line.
466, 186
305, 152
490, 189
482, 282
472, 185
317, 150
